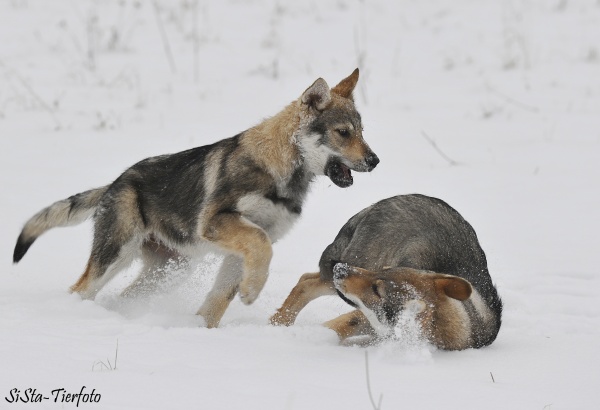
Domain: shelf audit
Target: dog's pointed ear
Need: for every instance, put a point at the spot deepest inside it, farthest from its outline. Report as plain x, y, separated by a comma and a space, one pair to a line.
346, 86
454, 287
317, 96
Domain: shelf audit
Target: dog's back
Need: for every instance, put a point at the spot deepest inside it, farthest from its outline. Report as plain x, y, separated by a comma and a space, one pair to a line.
420, 232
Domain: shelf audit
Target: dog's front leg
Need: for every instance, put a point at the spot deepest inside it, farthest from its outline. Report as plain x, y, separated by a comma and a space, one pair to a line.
223, 291
309, 287
239, 236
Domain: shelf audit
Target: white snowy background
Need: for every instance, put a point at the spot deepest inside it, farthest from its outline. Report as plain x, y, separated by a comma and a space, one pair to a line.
493, 106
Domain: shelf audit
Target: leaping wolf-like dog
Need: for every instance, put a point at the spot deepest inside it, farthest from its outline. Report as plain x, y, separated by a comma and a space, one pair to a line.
240, 194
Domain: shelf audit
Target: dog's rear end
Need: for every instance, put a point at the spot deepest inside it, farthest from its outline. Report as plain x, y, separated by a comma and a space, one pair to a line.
424, 237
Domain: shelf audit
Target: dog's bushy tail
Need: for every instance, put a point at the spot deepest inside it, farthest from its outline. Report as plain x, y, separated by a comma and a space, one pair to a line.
67, 212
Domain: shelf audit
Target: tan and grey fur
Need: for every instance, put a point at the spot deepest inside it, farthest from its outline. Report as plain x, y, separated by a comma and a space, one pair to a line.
238, 195
409, 253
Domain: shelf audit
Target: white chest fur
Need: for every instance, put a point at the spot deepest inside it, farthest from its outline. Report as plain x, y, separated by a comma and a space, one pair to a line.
274, 218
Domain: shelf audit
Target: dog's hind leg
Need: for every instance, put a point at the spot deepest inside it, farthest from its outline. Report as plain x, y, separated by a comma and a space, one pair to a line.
309, 287
160, 264
241, 237
102, 268
351, 324
223, 291
118, 234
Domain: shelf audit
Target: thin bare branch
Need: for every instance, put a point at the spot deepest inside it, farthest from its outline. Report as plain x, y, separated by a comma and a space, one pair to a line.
439, 151
165, 39
116, 354
378, 406
511, 100
196, 41
45, 106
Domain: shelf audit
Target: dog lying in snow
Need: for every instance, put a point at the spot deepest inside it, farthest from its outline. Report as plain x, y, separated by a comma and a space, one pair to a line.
408, 253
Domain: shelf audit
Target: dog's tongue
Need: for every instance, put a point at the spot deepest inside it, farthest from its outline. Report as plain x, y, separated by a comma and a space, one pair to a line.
346, 171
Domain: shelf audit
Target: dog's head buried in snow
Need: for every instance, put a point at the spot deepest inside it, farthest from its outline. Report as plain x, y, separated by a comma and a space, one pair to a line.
420, 263
426, 297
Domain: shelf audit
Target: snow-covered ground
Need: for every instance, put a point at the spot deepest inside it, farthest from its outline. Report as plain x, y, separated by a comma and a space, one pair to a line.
493, 106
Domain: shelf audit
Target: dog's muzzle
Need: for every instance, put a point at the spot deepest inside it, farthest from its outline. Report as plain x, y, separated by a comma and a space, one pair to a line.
371, 160
340, 271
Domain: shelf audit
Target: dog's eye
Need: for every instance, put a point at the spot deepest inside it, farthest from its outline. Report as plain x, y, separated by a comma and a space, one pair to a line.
343, 132
376, 290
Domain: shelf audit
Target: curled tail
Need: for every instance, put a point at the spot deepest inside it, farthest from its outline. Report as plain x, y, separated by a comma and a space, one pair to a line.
68, 212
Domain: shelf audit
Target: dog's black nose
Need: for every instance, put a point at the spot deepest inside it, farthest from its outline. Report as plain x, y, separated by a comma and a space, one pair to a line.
372, 160
340, 270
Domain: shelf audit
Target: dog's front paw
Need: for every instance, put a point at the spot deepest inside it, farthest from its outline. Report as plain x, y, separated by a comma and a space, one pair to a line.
251, 286
249, 292
360, 341
207, 318
281, 319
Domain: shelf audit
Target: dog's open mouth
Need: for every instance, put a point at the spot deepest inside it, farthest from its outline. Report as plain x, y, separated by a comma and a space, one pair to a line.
339, 173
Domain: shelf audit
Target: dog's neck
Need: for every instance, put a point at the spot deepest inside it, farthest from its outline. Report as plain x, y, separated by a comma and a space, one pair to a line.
274, 141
